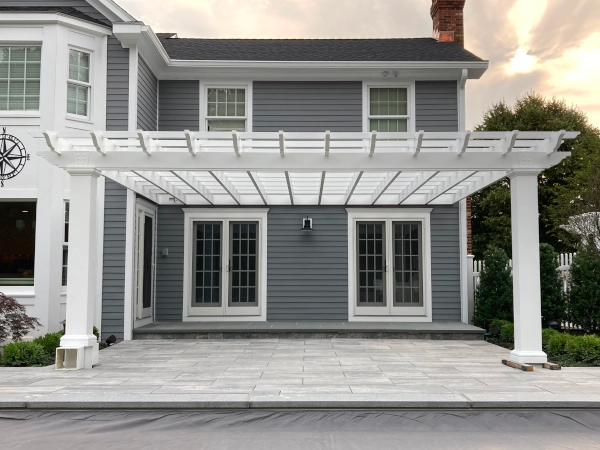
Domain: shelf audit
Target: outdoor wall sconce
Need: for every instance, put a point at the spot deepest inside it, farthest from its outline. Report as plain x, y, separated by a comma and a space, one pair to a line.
307, 224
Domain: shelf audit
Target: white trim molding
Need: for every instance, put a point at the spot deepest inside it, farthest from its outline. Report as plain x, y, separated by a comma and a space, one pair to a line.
390, 83
390, 313
205, 85
225, 313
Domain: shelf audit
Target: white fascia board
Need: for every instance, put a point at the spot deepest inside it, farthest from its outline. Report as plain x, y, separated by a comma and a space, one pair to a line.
129, 33
17, 18
111, 10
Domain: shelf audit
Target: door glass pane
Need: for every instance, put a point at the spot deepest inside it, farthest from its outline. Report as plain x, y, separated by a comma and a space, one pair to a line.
207, 264
17, 243
147, 263
371, 263
408, 273
243, 263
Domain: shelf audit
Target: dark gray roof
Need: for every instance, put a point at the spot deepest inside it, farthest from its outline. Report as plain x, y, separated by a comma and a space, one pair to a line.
67, 10
419, 49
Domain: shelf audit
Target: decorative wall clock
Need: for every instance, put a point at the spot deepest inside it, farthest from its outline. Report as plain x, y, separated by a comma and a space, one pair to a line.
12, 156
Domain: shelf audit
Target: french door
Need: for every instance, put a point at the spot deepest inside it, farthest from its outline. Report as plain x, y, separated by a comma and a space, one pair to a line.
389, 268
144, 262
225, 268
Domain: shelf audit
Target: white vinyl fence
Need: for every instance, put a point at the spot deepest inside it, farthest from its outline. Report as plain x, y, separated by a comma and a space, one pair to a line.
475, 267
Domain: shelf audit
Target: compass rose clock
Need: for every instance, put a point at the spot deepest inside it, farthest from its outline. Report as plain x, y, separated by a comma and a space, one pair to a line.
12, 156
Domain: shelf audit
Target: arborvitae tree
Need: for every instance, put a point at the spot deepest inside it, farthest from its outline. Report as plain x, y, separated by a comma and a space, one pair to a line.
584, 293
553, 300
494, 295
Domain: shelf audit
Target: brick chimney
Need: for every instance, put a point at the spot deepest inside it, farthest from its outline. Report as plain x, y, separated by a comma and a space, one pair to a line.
448, 23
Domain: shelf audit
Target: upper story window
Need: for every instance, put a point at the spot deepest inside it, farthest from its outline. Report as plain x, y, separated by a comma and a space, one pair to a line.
20, 78
78, 87
226, 109
388, 109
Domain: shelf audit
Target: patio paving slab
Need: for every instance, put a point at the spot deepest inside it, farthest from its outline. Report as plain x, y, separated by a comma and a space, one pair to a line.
296, 373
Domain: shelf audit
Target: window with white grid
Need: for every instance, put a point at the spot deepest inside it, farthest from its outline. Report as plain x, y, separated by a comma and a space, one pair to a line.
226, 109
388, 109
20, 78
78, 87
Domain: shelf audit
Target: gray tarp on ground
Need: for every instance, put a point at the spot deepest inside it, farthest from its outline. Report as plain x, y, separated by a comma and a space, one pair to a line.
289, 430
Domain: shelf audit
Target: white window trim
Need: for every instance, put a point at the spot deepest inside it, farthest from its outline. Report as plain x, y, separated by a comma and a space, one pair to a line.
88, 117
205, 85
422, 215
151, 210
410, 85
24, 113
192, 215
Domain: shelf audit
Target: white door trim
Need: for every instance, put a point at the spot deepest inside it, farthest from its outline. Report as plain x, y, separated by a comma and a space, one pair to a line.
389, 313
225, 215
144, 316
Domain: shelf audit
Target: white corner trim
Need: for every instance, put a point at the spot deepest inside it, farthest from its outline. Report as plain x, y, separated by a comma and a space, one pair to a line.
391, 83
133, 89
422, 215
225, 215
129, 268
205, 85
464, 287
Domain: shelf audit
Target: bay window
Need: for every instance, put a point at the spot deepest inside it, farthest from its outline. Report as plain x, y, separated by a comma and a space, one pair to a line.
20, 78
78, 86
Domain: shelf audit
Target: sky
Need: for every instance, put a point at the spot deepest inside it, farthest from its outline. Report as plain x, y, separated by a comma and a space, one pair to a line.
551, 47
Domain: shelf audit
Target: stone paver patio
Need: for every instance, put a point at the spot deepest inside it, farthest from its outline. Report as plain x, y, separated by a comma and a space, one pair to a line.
299, 373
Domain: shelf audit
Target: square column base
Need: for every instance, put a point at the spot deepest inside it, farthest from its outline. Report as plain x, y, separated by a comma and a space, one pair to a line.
76, 358
528, 357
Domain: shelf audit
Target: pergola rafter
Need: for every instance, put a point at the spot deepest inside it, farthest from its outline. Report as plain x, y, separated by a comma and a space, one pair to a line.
399, 168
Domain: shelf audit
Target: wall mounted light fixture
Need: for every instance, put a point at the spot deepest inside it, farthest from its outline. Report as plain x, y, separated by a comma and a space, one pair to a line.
307, 224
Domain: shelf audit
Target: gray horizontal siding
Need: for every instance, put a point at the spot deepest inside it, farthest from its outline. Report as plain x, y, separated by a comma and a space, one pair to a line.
307, 106
80, 5
436, 105
117, 88
113, 276
179, 105
307, 273
147, 98
445, 263
169, 269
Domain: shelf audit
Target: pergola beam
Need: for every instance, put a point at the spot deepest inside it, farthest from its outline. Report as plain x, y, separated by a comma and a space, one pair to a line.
258, 185
199, 188
352, 186
289, 186
226, 184
487, 179
131, 184
415, 185
322, 186
162, 184
449, 183
383, 185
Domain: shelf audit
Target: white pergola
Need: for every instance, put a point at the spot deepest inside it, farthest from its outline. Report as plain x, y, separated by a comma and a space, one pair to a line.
326, 168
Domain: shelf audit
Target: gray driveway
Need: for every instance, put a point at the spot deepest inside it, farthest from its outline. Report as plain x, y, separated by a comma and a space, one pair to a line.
300, 373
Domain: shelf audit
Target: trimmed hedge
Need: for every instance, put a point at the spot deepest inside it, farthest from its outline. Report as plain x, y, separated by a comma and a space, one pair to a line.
564, 349
50, 342
24, 354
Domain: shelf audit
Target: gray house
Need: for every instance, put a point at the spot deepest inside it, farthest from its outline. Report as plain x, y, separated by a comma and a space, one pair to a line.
244, 187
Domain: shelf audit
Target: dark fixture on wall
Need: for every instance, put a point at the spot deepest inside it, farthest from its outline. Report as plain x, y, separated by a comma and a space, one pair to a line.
307, 224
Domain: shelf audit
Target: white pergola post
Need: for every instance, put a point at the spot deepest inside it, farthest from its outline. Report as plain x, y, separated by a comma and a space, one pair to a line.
526, 268
78, 347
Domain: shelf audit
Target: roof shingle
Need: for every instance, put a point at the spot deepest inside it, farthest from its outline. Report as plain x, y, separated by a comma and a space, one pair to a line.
67, 10
418, 49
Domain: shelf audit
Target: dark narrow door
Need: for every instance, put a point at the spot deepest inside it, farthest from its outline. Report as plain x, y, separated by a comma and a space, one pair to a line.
147, 265
371, 264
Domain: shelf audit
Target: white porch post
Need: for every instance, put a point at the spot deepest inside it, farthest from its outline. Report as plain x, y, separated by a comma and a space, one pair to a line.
82, 269
526, 268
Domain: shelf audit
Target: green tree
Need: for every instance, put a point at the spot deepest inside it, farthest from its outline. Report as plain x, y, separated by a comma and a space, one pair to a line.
494, 295
584, 293
559, 187
553, 300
